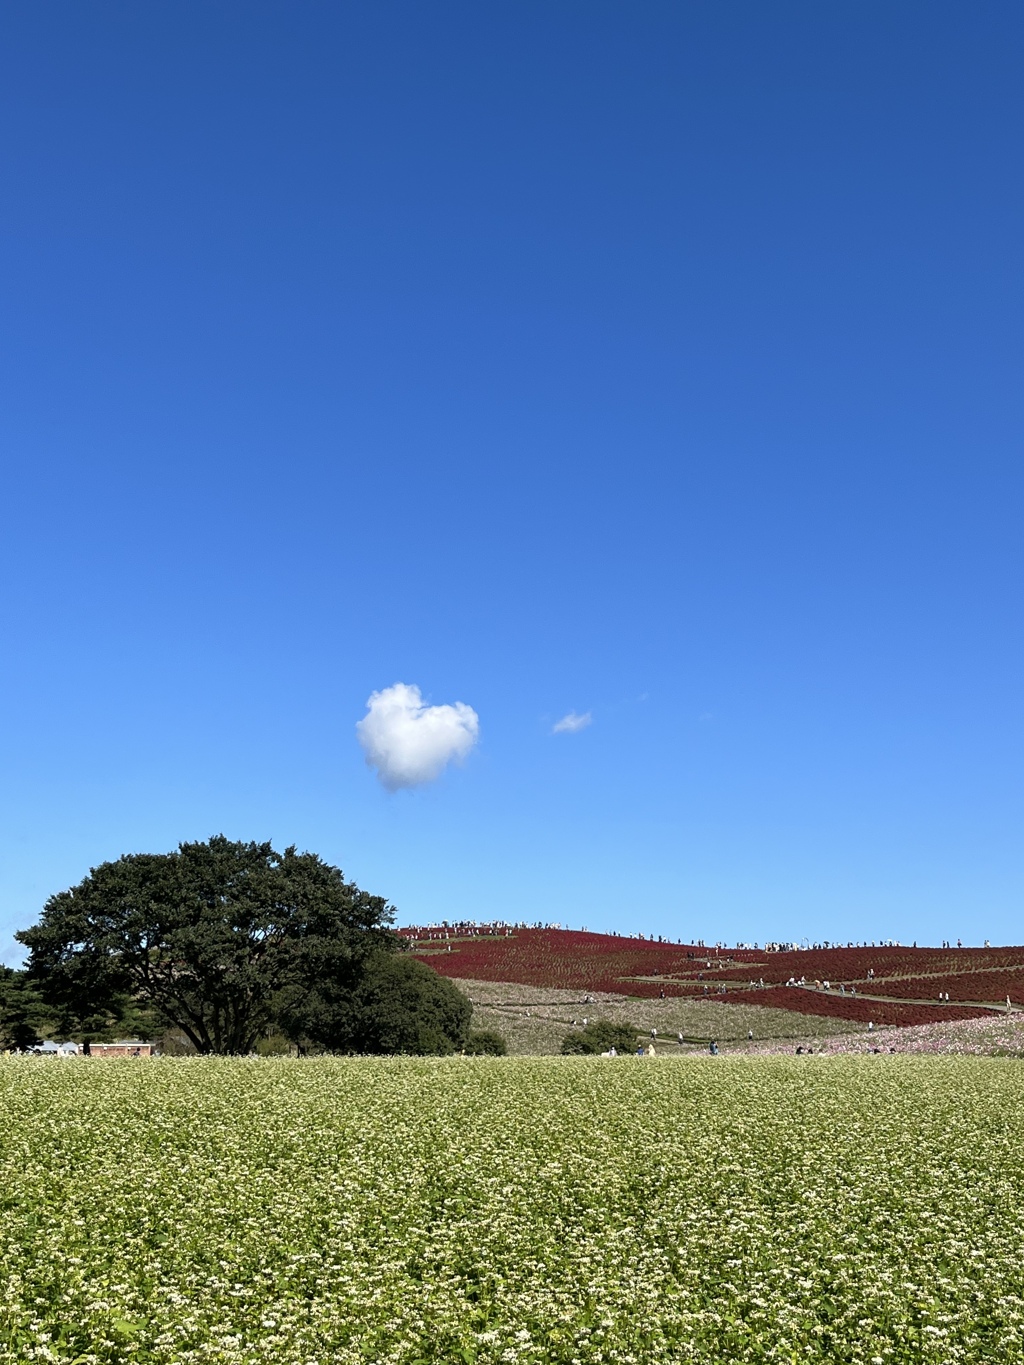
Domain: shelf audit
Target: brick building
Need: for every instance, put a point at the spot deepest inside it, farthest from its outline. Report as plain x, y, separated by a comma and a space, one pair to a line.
124, 1047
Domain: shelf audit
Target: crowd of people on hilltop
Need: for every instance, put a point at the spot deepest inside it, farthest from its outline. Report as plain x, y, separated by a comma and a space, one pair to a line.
825, 945
470, 928
506, 928
466, 929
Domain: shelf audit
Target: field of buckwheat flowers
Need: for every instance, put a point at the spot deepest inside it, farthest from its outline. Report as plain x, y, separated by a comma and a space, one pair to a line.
281, 1212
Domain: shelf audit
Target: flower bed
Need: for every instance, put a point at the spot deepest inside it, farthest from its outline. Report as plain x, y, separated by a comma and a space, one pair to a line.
568, 959
854, 1007
513, 1211
987, 986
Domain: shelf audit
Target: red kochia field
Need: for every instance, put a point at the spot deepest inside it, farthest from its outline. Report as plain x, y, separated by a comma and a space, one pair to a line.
889, 985
565, 959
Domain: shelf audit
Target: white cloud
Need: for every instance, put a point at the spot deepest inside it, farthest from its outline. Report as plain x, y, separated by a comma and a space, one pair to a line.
571, 724
410, 743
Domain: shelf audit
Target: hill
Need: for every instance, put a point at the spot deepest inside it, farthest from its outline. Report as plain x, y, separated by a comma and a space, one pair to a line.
881, 984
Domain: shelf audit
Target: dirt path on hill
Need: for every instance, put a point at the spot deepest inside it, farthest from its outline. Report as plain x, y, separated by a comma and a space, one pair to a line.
535, 1020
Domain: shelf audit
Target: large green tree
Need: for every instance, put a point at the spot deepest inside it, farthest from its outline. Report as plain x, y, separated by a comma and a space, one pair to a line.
218, 937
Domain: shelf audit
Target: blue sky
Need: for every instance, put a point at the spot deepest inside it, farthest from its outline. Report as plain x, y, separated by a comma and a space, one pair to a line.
659, 362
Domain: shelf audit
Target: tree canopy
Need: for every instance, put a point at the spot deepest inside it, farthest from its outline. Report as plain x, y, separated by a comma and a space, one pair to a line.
24, 1017
221, 939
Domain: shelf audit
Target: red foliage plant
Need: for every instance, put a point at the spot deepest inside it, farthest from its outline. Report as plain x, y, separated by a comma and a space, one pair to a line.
566, 959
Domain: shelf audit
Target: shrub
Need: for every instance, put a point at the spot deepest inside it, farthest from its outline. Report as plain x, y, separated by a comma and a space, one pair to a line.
601, 1036
485, 1043
274, 1045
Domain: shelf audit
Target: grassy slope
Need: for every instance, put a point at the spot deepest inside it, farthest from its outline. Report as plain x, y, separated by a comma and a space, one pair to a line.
533, 1020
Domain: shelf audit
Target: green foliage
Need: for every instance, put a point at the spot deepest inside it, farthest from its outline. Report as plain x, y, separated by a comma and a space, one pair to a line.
403, 1006
24, 1018
218, 940
601, 1036
274, 1045
485, 1042
397, 1006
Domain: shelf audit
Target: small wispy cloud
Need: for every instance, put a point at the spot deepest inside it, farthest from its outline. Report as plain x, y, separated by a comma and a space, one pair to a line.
571, 724
409, 742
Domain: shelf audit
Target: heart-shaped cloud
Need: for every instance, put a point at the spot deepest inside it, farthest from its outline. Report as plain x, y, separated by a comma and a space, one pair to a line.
409, 742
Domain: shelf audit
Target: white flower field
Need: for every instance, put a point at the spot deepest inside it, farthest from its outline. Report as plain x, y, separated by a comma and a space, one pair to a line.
280, 1212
